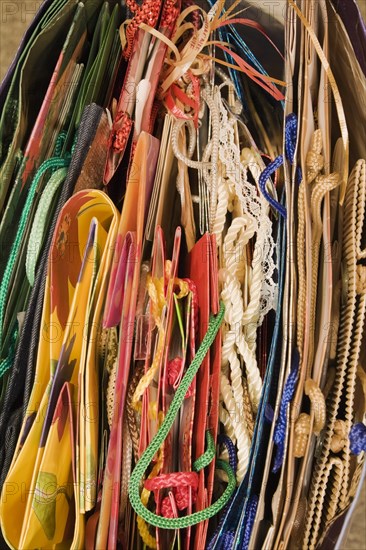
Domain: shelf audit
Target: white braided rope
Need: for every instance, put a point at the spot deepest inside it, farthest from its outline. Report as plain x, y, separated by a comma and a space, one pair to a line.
232, 297
239, 338
251, 313
224, 171
234, 394
228, 341
226, 422
238, 235
253, 374
223, 197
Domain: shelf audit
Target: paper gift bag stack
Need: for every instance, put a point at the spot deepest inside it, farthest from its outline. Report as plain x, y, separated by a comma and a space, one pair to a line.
183, 276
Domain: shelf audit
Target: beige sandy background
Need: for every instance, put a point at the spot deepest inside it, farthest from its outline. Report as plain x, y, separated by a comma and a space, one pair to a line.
15, 16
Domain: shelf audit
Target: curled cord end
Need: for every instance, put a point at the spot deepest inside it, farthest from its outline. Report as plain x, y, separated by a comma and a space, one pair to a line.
264, 177
290, 149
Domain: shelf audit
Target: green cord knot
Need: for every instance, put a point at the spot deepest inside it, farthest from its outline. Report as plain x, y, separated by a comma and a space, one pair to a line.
147, 456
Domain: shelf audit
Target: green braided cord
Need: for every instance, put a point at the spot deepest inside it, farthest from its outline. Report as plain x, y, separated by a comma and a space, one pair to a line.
39, 222
208, 456
6, 363
59, 144
4, 286
143, 463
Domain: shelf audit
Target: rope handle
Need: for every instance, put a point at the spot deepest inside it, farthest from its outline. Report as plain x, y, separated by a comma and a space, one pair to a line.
290, 148
54, 163
147, 456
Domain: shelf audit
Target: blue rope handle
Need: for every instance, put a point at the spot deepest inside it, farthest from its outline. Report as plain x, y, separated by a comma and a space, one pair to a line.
357, 438
279, 436
264, 177
224, 440
251, 513
290, 148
